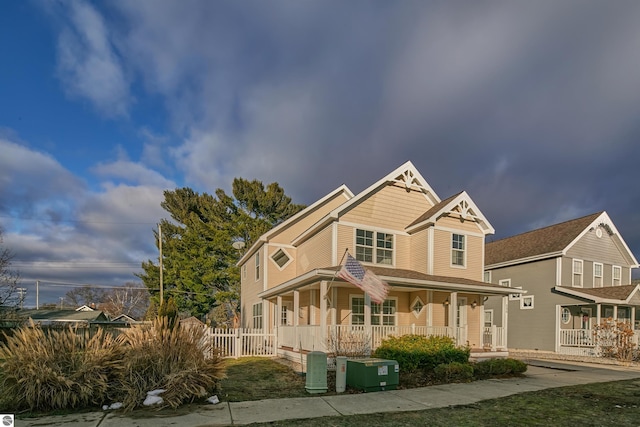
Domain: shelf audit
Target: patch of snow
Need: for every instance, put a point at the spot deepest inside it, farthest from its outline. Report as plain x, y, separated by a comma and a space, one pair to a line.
213, 399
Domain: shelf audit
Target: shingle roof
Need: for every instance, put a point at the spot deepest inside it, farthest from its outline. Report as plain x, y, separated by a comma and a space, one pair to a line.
610, 292
551, 239
433, 210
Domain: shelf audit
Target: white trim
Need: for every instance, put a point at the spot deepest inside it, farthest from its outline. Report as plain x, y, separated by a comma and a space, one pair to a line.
559, 271
373, 228
334, 243
374, 248
484, 279
430, 246
505, 283
516, 297
524, 260
601, 274
575, 262
613, 280
594, 299
415, 300
484, 320
564, 310
364, 309
465, 248
458, 231
257, 259
287, 254
524, 300
265, 270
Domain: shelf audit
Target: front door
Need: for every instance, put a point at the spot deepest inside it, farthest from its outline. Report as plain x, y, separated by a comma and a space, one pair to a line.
461, 321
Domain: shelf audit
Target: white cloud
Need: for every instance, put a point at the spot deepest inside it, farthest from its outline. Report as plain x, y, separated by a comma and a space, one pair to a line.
132, 172
87, 63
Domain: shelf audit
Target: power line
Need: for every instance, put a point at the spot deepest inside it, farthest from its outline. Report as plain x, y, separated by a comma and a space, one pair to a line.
78, 221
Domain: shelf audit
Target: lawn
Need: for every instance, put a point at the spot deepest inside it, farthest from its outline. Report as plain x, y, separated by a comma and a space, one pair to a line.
615, 403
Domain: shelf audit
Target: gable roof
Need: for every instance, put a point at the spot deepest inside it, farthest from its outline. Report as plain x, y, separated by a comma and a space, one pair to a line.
459, 203
534, 244
610, 294
64, 315
406, 175
342, 190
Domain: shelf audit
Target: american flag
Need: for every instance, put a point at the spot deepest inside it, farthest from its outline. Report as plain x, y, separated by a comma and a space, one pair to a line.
353, 272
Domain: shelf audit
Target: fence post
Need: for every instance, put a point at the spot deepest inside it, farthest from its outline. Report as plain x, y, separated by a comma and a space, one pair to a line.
238, 347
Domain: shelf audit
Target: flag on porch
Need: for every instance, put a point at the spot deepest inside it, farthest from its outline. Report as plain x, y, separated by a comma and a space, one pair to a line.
353, 272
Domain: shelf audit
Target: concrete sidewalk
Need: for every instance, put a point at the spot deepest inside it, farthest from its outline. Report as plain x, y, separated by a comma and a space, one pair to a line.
541, 374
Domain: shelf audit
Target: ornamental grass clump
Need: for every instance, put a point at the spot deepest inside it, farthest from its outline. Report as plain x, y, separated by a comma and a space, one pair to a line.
168, 356
57, 369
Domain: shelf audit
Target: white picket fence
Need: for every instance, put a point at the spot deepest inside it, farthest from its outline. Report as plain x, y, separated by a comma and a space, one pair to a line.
242, 342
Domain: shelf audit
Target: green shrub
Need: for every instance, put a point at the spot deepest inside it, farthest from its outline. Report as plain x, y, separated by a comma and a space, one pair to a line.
453, 372
57, 369
419, 353
168, 356
496, 367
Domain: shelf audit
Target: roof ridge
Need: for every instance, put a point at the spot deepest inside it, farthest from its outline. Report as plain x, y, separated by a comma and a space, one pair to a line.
547, 227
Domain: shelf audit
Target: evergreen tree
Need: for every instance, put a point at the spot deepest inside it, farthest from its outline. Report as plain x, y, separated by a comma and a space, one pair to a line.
199, 260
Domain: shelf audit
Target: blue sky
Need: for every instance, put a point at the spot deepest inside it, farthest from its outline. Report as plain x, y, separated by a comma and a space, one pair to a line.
531, 107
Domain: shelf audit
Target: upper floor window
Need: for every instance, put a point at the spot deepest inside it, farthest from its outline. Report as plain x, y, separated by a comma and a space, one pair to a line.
244, 272
281, 258
617, 275
370, 244
487, 276
257, 265
577, 273
457, 249
597, 275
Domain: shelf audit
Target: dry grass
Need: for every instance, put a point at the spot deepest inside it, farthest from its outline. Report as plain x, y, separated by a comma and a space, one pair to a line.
57, 370
168, 357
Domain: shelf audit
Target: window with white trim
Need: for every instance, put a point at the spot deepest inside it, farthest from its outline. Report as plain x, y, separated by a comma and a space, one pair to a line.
597, 275
457, 249
381, 314
616, 275
417, 306
284, 314
257, 316
526, 302
384, 314
505, 283
369, 243
488, 318
357, 310
577, 273
566, 315
244, 272
281, 258
487, 276
257, 265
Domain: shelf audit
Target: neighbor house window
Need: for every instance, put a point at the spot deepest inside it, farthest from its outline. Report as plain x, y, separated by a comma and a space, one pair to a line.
384, 314
257, 265
505, 283
597, 275
457, 249
487, 276
617, 274
369, 243
577, 273
566, 315
281, 258
526, 302
257, 316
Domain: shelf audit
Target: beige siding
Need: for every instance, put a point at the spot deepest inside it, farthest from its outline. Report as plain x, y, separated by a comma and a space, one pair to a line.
419, 249
392, 207
402, 250
440, 312
345, 240
473, 268
287, 235
315, 252
421, 319
455, 223
250, 288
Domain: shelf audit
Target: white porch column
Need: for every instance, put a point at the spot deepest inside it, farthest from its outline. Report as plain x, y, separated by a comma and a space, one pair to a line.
278, 314
505, 319
323, 311
453, 307
296, 308
615, 312
598, 313
334, 306
266, 306
633, 318
429, 308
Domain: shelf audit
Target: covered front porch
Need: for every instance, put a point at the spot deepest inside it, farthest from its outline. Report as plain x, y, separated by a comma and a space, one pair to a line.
318, 312
585, 328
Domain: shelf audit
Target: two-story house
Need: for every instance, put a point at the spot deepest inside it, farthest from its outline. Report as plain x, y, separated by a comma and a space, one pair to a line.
430, 252
576, 274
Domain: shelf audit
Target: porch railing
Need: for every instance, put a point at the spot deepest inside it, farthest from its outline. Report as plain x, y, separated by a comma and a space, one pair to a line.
586, 342
494, 338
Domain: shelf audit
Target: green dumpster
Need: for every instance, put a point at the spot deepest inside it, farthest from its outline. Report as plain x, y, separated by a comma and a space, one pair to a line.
372, 374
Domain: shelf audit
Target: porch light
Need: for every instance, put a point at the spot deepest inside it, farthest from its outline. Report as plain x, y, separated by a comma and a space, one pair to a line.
446, 302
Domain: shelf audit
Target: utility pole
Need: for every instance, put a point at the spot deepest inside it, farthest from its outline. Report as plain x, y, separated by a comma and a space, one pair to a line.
160, 247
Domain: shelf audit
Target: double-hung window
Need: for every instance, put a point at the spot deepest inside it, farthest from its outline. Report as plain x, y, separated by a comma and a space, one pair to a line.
257, 316
577, 273
357, 310
616, 275
374, 247
384, 314
257, 266
457, 249
597, 275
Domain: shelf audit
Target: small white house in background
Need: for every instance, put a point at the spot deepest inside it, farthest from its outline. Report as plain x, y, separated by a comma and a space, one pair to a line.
575, 275
430, 251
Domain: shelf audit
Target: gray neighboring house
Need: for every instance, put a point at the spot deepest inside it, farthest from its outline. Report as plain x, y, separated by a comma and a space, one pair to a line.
575, 274
47, 317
